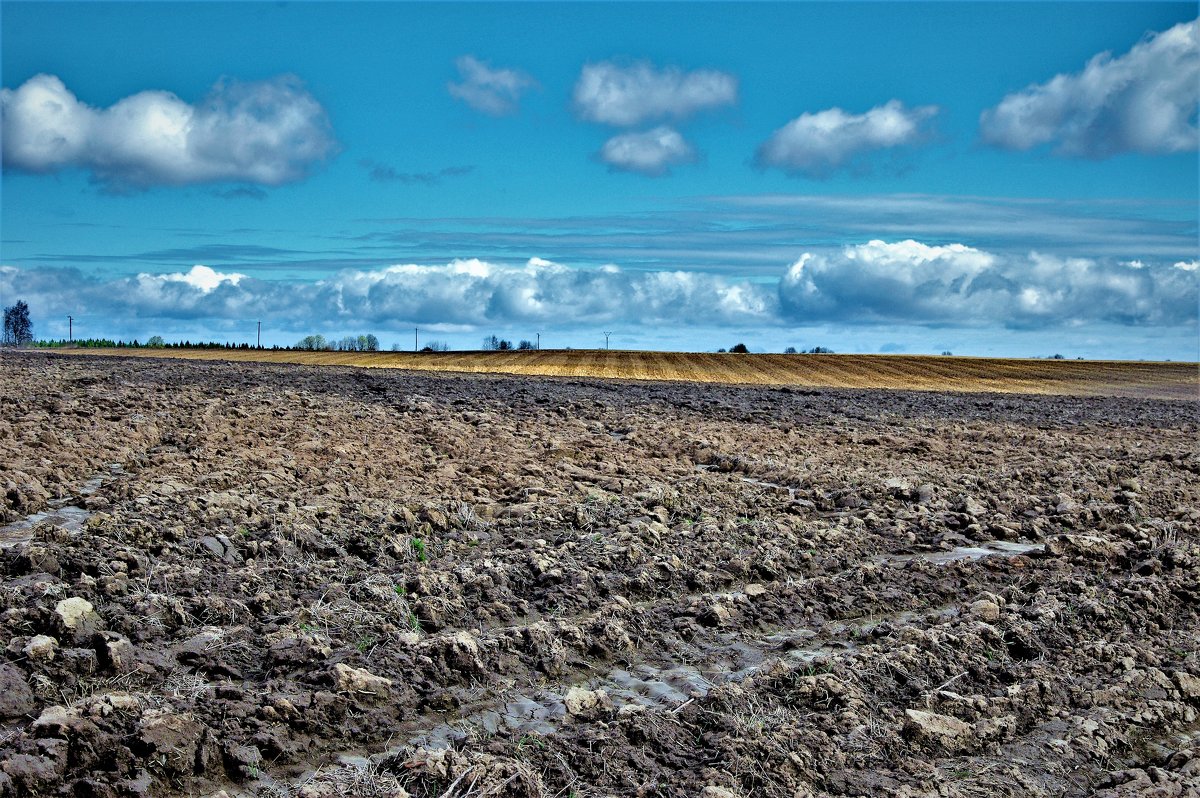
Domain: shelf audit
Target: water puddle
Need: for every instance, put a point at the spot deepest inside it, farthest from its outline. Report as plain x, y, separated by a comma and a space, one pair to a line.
992, 548
62, 513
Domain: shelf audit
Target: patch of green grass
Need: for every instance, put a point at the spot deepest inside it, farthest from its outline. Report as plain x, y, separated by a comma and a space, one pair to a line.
419, 549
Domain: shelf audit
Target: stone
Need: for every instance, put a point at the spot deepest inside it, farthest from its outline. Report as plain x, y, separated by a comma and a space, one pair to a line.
77, 615
360, 681
41, 648
939, 730
925, 493
986, 610
580, 701
16, 697
972, 507
712, 791
1188, 684
755, 589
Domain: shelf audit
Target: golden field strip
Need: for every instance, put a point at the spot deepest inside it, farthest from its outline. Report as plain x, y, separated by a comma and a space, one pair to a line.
915, 372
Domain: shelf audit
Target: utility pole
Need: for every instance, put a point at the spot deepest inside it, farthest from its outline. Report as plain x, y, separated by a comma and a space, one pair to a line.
539, 344
415, 339
71, 329
259, 334
606, 334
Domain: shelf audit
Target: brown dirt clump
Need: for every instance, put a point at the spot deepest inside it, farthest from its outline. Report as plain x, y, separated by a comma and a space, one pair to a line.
263, 580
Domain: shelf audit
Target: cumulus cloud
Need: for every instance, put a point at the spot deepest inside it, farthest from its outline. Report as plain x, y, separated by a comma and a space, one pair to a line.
626, 95
1144, 101
882, 284
267, 132
819, 144
491, 91
652, 152
908, 281
466, 293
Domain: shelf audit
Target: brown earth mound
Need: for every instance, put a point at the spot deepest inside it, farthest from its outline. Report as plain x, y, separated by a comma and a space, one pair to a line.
283, 580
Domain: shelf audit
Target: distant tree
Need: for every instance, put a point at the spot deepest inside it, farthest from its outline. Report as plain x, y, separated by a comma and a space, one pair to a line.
370, 343
491, 343
791, 350
525, 346
436, 346
739, 349
155, 342
504, 345
18, 329
312, 343
947, 353
1057, 357
721, 351
819, 350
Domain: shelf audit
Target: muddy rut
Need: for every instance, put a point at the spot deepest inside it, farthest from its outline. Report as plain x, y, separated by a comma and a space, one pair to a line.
248, 579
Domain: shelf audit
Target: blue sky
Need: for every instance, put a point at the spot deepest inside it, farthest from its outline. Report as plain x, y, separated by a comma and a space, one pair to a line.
870, 177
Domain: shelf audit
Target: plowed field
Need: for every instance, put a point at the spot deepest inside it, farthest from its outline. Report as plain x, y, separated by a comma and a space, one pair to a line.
245, 579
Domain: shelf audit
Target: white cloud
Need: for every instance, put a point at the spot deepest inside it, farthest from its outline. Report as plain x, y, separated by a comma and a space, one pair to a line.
1188, 265
491, 91
625, 95
466, 293
269, 132
652, 152
908, 281
819, 144
202, 278
876, 284
1144, 101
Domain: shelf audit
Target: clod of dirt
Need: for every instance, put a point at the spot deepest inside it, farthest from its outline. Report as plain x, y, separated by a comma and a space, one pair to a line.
16, 697
942, 732
360, 682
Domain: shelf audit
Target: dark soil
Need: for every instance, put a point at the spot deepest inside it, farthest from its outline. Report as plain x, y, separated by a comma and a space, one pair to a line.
304, 581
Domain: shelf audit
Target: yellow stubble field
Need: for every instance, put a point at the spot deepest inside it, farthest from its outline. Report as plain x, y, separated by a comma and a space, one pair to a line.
1164, 380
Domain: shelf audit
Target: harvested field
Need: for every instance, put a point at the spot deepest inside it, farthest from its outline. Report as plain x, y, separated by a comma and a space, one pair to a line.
266, 580
910, 372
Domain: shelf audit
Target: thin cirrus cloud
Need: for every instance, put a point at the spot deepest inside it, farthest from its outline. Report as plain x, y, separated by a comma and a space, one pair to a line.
265, 132
492, 91
1143, 101
652, 152
819, 144
383, 173
624, 95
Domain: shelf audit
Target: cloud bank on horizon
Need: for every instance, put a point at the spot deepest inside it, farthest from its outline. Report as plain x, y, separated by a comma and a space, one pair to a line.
904, 282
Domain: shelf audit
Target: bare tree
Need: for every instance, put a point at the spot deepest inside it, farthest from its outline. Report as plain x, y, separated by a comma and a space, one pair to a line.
18, 329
